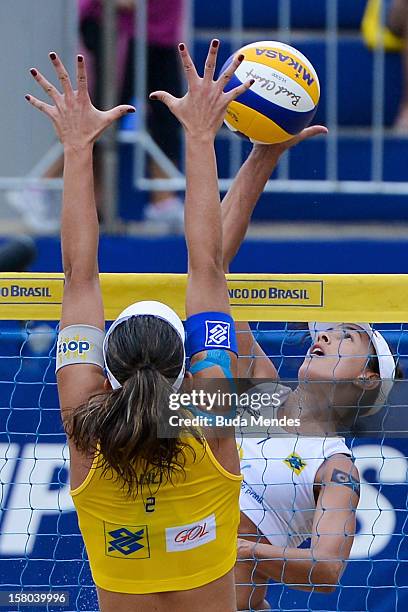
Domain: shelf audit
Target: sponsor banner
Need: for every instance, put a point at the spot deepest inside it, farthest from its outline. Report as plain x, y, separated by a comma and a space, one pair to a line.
30, 290
307, 293
186, 537
253, 297
35, 508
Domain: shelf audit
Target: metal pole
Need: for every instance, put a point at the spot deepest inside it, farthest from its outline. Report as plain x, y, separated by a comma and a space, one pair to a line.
377, 157
109, 96
332, 76
237, 20
139, 158
144, 143
284, 25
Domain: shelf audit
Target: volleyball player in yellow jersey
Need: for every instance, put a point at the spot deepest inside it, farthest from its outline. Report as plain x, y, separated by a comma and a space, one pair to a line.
159, 516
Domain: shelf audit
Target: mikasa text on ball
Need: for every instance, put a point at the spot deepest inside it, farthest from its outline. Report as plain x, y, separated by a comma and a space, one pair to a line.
283, 99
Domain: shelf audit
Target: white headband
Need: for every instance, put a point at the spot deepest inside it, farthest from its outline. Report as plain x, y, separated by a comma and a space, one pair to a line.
155, 309
386, 360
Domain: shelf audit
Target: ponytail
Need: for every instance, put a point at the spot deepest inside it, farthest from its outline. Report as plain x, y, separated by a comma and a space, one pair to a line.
123, 427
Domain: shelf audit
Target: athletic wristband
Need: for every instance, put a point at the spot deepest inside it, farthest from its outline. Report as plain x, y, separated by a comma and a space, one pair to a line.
80, 344
210, 330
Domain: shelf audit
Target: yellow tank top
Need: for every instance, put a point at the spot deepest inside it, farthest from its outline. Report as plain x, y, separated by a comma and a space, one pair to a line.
172, 537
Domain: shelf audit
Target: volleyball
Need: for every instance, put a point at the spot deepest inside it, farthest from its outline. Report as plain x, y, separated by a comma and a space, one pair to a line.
283, 99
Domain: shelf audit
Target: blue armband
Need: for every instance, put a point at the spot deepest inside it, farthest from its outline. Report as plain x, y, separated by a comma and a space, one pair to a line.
210, 330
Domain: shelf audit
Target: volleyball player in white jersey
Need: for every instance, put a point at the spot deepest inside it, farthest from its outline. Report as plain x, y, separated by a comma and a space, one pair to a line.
298, 487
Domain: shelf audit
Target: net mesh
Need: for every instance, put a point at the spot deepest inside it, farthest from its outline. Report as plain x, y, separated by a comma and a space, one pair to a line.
40, 544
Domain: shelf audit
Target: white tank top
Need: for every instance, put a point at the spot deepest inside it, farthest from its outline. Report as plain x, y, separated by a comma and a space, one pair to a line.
277, 490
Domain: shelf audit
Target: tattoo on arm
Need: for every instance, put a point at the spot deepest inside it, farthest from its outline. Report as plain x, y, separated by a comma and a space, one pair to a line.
344, 478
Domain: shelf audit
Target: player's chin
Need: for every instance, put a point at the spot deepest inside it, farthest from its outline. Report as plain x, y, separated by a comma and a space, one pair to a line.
315, 369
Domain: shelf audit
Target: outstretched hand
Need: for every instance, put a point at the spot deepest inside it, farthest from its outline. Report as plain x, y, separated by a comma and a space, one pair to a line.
202, 110
77, 122
278, 149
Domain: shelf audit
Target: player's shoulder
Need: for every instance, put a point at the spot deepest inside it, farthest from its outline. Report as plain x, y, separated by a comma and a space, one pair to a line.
338, 467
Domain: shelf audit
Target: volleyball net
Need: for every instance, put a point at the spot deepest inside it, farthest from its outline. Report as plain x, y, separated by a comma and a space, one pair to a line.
41, 550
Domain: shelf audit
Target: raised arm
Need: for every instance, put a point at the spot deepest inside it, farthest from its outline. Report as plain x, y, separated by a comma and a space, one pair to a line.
319, 567
237, 208
78, 125
201, 112
210, 329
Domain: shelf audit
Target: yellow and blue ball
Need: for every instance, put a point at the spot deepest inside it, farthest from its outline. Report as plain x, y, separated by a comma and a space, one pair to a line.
283, 99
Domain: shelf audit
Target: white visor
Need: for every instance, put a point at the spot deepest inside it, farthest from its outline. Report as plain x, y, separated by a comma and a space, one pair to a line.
386, 360
155, 309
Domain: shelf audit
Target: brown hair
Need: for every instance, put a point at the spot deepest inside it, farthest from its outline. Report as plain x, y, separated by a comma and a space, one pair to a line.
145, 354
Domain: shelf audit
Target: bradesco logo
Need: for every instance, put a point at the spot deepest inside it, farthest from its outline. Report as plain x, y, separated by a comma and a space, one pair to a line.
276, 293
186, 537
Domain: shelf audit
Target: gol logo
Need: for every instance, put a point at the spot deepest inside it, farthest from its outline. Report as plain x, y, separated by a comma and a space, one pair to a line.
194, 533
186, 537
